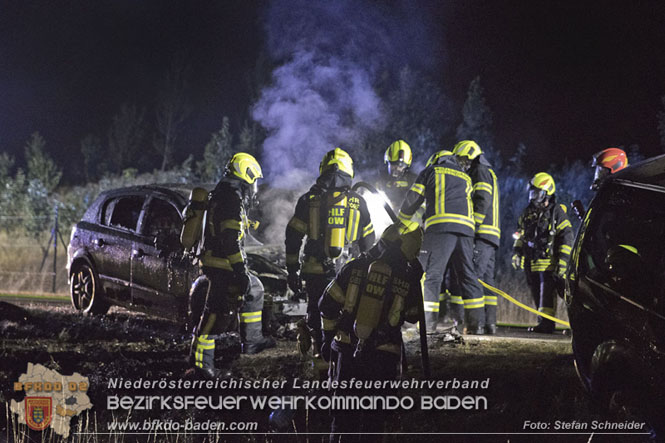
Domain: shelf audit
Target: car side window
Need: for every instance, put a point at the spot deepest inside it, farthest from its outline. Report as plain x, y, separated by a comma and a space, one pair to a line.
624, 244
162, 218
123, 212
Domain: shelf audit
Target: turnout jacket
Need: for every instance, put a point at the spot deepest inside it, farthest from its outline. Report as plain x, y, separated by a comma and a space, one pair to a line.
359, 231
395, 188
223, 228
340, 301
544, 238
446, 191
485, 201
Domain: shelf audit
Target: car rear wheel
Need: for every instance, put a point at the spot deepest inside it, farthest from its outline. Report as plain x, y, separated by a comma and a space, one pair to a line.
86, 291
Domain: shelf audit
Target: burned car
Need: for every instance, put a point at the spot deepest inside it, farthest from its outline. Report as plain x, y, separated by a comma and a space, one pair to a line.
615, 293
126, 251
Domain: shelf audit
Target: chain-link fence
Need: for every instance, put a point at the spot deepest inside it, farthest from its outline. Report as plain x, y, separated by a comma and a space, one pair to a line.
33, 263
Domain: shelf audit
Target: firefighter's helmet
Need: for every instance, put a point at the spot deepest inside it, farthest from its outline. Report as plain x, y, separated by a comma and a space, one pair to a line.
541, 187
466, 151
245, 167
408, 236
614, 159
398, 157
338, 159
467, 148
434, 158
606, 162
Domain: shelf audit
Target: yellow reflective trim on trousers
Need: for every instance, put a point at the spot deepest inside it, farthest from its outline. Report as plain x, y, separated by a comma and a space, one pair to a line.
450, 218
418, 188
563, 262
235, 258
442, 296
522, 305
352, 225
456, 300
336, 293
491, 300
298, 225
250, 317
432, 306
230, 223
215, 262
565, 249
328, 324
474, 303
563, 225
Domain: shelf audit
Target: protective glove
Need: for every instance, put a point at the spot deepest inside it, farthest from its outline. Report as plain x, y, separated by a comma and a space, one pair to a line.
517, 261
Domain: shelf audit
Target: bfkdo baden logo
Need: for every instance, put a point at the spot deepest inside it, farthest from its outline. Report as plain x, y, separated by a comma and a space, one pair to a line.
38, 412
51, 400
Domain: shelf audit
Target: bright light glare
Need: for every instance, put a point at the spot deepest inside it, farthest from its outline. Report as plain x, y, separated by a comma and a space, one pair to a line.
380, 218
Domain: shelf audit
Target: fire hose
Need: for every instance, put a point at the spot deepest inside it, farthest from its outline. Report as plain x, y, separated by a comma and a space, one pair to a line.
522, 305
424, 353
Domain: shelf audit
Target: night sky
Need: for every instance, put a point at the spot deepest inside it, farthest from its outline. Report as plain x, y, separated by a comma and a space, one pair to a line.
565, 78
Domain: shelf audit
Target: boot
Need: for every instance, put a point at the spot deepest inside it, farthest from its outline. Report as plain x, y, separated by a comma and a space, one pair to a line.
202, 359
252, 338
490, 329
544, 327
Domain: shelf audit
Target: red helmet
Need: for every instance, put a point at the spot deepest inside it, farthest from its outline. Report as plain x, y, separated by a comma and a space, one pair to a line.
613, 159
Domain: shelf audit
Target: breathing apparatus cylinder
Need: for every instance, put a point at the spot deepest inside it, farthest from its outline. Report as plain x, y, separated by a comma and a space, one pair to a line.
370, 305
193, 215
335, 234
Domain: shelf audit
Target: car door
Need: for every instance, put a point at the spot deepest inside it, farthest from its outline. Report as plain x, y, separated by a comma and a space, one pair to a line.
111, 245
160, 276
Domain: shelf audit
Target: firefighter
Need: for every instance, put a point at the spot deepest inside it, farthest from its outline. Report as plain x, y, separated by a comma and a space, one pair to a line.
543, 242
397, 178
486, 217
333, 218
363, 310
222, 258
605, 162
449, 232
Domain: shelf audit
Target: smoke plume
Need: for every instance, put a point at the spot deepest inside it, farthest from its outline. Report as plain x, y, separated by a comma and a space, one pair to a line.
330, 57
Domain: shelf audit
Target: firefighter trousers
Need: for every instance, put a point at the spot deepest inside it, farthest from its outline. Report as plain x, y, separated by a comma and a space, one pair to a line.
315, 284
439, 250
375, 365
542, 286
218, 314
250, 315
484, 256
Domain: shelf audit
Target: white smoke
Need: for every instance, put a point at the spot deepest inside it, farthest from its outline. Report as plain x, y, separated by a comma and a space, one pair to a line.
330, 57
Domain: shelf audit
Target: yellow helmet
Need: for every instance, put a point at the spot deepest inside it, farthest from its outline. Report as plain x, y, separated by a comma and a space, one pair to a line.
339, 159
544, 182
437, 155
245, 167
409, 234
467, 148
398, 151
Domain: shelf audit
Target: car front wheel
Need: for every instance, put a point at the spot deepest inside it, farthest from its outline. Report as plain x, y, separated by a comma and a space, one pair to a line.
86, 292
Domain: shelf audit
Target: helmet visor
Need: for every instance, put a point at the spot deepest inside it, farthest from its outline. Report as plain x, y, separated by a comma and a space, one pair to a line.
599, 176
396, 169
